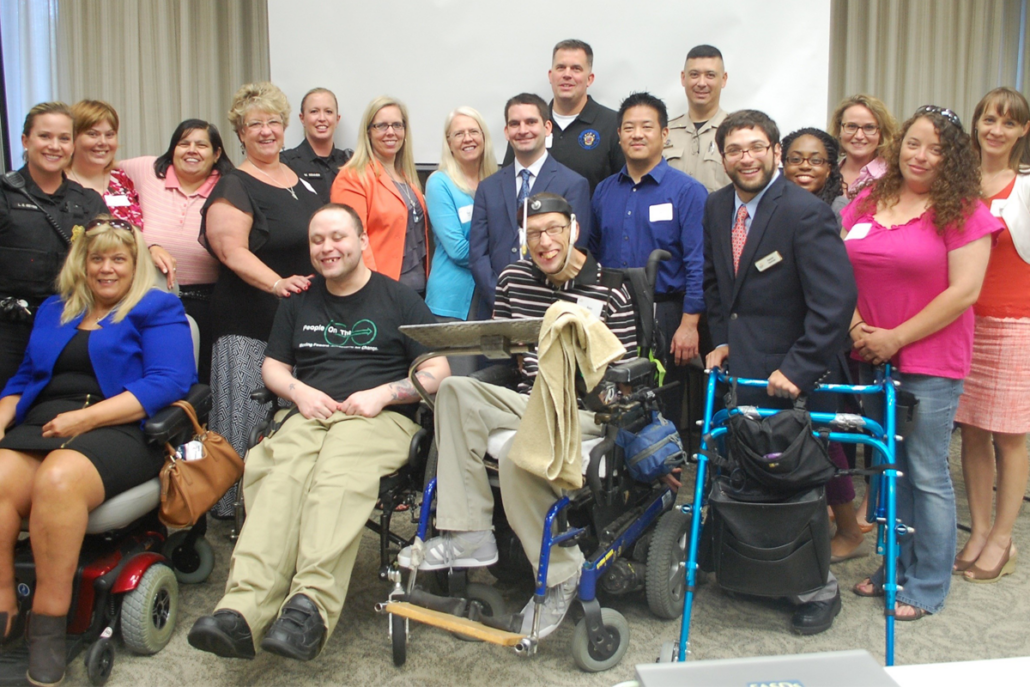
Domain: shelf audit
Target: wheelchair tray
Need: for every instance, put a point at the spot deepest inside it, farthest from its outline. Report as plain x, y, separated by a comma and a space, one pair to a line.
489, 336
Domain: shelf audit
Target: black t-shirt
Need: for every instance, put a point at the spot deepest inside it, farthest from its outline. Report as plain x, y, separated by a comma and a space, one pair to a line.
319, 171
343, 344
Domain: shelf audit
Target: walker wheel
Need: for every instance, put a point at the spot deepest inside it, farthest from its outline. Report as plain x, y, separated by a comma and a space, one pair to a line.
594, 660
99, 661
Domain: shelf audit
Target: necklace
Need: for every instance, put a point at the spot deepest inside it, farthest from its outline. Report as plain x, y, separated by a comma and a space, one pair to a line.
278, 184
409, 199
97, 317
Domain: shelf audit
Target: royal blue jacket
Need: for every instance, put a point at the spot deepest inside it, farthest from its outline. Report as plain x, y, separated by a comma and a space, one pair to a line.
149, 353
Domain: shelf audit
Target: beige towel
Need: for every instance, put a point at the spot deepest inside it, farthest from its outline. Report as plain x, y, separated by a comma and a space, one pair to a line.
548, 440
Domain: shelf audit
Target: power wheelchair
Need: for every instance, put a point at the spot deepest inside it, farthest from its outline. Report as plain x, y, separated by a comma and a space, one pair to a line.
630, 534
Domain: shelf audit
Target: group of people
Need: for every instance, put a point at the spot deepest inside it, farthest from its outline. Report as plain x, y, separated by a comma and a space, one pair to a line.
299, 265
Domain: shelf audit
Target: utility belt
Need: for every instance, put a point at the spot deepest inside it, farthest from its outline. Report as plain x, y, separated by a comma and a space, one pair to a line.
197, 292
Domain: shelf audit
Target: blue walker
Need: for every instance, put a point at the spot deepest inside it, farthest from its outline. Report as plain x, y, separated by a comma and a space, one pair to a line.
843, 428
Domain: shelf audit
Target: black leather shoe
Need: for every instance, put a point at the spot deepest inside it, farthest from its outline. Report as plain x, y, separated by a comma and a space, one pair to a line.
298, 632
224, 634
815, 616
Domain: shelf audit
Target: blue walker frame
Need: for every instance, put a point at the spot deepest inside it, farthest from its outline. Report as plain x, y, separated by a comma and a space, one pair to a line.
883, 440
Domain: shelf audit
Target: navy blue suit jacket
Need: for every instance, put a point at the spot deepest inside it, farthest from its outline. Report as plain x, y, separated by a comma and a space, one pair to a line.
793, 315
494, 235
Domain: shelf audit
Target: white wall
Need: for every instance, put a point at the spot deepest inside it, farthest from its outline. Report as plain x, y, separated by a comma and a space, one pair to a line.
438, 54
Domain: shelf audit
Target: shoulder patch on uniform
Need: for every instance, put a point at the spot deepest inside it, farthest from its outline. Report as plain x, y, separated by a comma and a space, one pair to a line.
589, 139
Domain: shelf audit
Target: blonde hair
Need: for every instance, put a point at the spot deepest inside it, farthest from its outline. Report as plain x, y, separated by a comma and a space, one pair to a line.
450, 166
884, 119
40, 109
86, 114
403, 163
263, 95
72, 284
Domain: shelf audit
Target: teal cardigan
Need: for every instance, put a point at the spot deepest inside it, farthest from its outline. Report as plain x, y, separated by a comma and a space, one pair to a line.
450, 286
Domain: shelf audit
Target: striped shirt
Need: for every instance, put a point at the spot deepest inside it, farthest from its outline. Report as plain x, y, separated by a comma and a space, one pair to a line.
523, 292
173, 219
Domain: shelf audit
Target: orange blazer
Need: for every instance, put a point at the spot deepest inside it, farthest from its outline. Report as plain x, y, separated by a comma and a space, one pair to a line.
384, 213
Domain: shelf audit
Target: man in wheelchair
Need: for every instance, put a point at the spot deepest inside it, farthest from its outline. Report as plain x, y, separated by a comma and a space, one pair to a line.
467, 410
334, 351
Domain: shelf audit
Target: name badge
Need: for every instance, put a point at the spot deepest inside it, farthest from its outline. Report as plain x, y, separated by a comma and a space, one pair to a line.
465, 214
661, 213
859, 231
593, 305
769, 260
998, 206
113, 201
548, 141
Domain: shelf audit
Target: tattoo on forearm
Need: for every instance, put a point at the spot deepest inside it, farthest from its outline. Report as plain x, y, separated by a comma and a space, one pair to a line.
404, 391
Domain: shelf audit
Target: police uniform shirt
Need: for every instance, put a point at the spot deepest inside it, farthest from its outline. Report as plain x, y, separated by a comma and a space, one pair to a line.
692, 150
318, 171
588, 146
31, 252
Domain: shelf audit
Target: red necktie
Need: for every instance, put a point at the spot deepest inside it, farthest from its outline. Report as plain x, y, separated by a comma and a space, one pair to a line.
739, 236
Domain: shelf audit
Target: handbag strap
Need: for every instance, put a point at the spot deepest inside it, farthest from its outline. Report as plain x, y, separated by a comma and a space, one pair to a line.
187, 407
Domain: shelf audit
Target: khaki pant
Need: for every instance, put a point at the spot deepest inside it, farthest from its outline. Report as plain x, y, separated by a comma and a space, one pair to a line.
466, 412
309, 490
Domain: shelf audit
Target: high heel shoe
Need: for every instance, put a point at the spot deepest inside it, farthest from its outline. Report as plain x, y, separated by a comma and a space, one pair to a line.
961, 566
17, 630
1006, 566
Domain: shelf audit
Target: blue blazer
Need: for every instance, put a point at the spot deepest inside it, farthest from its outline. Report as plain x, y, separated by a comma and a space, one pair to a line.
450, 286
793, 314
494, 235
149, 353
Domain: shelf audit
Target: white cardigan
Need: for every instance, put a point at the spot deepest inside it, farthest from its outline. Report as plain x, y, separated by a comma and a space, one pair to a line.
1016, 214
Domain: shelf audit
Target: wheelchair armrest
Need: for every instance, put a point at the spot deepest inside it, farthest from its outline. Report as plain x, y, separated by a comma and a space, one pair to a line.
505, 374
629, 372
262, 395
418, 450
170, 421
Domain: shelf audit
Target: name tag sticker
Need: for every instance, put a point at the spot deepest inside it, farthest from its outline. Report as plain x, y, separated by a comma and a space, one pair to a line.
769, 260
548, 141
859, 231
592, 304
661, 213
997, 206
465, 214
113, 201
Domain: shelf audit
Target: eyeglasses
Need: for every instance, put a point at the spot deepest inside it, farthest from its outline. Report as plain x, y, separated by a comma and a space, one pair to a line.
458, 135
383, 127
113, 223
814, 161
755, 150
258, 125
534, 236
851, 128
943, 112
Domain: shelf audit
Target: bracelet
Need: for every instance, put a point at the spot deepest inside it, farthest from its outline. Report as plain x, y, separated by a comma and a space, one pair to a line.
279, 280
855, 325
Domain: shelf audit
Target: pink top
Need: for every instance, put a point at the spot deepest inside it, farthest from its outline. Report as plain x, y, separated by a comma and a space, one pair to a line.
173, 218
899, 270
122, 200
866, 176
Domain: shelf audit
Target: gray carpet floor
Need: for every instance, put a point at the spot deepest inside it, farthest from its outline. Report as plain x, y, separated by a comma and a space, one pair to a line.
979, 622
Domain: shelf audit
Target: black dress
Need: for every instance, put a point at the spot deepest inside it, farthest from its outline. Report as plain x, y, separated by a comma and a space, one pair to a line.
119, 453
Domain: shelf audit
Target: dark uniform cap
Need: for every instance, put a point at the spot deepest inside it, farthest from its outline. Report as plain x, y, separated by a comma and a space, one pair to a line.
543, 203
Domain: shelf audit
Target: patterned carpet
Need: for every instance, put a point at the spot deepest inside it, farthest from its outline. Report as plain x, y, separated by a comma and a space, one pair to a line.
980, 621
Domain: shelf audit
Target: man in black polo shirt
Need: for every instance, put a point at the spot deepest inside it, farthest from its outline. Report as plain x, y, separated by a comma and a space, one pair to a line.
317, 159
584, 134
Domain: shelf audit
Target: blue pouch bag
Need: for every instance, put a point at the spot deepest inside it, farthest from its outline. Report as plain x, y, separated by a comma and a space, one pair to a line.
654, 451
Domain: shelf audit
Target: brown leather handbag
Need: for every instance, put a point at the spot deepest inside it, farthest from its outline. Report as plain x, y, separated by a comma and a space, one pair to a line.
190, 487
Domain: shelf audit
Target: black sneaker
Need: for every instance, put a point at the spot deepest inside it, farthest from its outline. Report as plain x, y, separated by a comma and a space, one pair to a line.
224, 634
298, 632
815, 616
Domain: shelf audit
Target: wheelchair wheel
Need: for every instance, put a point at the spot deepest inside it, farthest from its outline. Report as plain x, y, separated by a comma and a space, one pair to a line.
665, 581
491, 600
150, 610
99, 661
192, 565
592, 660
399, 636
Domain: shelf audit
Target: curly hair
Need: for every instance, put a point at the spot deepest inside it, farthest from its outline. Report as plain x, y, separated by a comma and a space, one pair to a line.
263, 96
955, 188
834, 185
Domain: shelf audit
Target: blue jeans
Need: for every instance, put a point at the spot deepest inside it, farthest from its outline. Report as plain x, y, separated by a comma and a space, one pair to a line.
926, 498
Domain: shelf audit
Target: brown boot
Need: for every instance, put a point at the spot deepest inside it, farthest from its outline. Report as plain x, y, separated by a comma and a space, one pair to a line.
47, 652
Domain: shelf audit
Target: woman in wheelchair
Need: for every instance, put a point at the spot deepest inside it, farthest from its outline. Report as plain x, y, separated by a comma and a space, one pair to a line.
105, 353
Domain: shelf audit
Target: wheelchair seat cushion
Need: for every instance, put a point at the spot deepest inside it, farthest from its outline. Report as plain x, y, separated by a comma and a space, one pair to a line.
121, 510
499, 442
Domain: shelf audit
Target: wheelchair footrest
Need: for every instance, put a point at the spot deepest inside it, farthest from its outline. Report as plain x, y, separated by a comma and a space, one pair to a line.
446, 621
